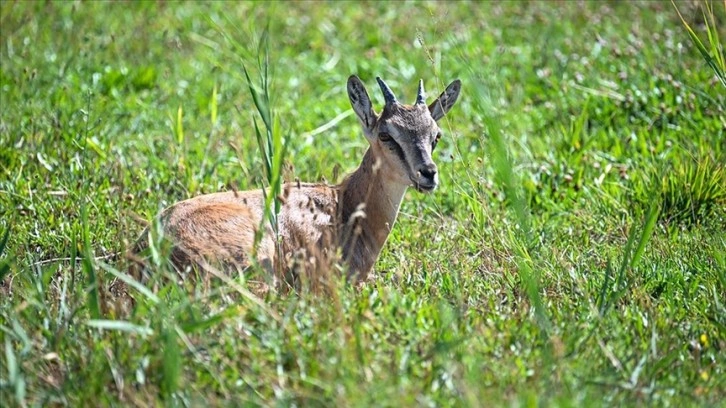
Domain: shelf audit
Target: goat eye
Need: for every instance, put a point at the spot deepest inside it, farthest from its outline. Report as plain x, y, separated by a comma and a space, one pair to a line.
436, 141
385, 137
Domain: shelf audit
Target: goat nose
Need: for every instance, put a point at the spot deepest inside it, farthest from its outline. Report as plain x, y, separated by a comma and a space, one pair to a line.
428, 171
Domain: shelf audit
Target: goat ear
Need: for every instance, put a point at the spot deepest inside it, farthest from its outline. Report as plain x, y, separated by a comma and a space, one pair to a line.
445, 101
361, 103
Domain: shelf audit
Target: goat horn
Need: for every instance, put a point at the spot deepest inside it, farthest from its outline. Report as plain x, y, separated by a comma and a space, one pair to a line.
421, 98
387, 93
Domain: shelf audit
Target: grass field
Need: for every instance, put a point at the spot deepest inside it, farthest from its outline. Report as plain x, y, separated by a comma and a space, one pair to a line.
573, 255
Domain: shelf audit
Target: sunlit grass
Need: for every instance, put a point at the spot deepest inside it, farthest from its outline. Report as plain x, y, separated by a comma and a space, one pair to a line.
572, 256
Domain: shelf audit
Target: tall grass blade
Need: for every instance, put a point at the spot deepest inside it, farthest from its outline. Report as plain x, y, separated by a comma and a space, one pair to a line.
279, 148
74, 254
155, 239
11, 361
4, 269
4, 240
266, 159
201, 325
630, 258
713, 37
625, 261
213, 106
21, 334
179, 128
119, 325
713, 57
505, 175
719, 258
651, 217
4, 261
601, 302
260, 104
171, 362
523, 238
270, 140
94, 303
15, 377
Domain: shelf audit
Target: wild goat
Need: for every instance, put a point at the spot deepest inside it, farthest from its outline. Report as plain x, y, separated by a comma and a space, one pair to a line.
354, 217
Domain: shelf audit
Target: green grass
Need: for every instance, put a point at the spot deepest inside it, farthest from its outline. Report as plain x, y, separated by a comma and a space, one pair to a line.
572, 256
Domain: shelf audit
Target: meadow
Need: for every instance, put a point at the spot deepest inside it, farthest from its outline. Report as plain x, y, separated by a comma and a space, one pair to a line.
573, 255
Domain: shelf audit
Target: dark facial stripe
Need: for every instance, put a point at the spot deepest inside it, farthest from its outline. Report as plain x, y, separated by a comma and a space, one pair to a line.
393, 146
